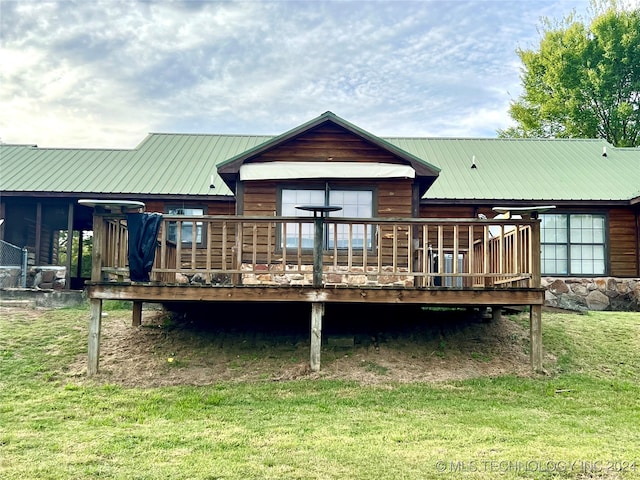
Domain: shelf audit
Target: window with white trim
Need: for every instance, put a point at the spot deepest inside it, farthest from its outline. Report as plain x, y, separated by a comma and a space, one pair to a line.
573, 244
187, 226
354, 203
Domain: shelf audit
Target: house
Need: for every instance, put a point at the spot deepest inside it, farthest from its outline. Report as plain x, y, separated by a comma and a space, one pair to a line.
249, 215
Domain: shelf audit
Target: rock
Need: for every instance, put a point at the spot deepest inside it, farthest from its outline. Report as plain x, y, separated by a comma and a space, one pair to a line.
220, 279
580, 289
550, 299
601, 283
199, 278
623, 288
37, 280
48, 276
572, 302
182, 279
596, 300
558, 286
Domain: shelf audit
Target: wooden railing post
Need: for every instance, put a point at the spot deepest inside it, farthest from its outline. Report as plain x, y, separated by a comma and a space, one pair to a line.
318, 222
98, 246
535, 254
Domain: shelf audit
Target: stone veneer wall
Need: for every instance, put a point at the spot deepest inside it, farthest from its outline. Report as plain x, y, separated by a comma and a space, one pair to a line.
45, 277
264, 275
10, 277
602, 293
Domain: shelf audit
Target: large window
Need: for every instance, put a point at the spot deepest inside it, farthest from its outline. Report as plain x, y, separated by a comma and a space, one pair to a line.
187, 226
354, 203
573, 244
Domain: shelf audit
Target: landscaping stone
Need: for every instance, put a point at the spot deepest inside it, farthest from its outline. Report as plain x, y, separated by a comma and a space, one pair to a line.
601, 293
558, 287
597, 300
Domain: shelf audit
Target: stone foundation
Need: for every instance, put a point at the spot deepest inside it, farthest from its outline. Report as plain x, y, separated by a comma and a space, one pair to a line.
264, 275
274, 275
602, 293
10, 277
44, 277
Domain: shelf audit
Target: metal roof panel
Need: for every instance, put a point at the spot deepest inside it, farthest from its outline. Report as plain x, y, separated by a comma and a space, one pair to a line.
182, 164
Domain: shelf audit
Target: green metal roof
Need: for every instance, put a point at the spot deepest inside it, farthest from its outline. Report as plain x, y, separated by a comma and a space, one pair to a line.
163, 164
528, 169
182, 164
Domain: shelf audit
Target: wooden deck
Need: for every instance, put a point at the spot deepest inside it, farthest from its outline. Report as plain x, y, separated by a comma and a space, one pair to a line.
443, 262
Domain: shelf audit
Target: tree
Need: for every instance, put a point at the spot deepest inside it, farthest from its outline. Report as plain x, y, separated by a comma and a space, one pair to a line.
87, 248
583, 81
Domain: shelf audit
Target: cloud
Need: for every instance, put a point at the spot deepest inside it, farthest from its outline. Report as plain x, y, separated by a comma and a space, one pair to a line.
105, 73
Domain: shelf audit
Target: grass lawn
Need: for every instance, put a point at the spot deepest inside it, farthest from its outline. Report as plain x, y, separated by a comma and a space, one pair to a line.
581, 420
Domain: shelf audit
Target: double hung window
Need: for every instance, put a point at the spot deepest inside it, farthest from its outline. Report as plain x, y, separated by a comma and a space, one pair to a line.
573, 244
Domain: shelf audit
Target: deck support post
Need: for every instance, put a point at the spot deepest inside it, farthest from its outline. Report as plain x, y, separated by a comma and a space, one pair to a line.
317, 312
496, 313
535, 318
95, 323
137, 314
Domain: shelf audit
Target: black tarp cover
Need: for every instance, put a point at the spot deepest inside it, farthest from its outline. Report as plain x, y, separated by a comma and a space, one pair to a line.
143, 234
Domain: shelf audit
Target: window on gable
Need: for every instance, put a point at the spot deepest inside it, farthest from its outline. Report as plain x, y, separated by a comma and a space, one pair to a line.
354, 203
188, 226
573, 244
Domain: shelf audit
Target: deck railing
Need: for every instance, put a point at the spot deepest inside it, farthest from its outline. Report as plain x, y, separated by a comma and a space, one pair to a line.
279, 251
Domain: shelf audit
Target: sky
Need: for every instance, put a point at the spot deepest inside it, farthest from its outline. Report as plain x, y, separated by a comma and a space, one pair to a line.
104, 74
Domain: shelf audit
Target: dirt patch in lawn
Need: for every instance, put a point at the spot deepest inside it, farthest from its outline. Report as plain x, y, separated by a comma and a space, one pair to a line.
376, 346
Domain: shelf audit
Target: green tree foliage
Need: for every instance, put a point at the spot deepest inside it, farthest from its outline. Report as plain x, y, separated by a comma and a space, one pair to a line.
87, 248
583, 81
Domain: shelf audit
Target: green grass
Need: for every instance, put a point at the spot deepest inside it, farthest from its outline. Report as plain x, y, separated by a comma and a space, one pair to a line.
581, 420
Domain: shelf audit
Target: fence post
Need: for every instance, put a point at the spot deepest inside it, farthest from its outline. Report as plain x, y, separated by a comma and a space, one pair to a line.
23, 273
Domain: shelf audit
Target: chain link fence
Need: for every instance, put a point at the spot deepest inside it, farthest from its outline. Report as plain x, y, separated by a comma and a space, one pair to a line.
13, 265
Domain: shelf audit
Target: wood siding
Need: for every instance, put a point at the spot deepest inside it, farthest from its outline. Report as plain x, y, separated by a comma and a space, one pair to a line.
450, 211
328, 143
623, 243
210, 208
392, 197
198, 256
